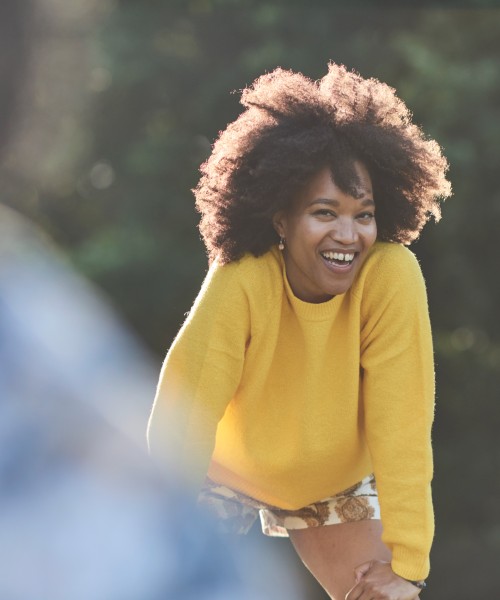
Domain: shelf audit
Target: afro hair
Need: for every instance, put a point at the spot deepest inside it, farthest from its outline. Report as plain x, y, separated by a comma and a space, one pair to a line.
291, 128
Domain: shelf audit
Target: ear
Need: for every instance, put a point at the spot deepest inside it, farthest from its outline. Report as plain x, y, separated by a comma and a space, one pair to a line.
279, 223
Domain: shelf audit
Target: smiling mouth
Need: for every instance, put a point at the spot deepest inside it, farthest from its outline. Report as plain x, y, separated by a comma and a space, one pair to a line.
339, 259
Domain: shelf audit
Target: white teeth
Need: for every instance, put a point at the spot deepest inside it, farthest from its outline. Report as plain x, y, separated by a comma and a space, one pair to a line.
338, 256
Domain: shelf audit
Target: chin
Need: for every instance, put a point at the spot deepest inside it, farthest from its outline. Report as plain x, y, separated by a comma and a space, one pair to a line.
338, 288
340, 291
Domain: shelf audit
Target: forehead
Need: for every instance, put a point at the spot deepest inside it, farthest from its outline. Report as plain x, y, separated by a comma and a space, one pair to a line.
322, 186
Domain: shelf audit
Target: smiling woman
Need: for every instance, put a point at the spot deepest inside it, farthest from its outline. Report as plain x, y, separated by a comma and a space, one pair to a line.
305, 365
328, 235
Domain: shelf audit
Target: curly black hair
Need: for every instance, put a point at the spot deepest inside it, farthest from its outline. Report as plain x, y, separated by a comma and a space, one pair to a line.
294, 127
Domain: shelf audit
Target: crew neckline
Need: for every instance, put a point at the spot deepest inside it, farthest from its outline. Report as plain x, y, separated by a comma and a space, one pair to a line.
311, 311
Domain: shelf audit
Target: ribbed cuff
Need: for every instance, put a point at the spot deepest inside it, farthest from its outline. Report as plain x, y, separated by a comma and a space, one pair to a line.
410, 565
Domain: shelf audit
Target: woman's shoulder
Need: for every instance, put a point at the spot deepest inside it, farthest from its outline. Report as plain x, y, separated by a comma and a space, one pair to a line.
391, 251
390, 258
253, 274
388, 265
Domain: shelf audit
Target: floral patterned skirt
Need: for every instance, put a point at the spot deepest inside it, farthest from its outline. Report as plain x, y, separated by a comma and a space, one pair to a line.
236, 513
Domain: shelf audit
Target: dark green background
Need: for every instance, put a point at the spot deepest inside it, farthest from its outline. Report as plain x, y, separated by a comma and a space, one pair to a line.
162, 75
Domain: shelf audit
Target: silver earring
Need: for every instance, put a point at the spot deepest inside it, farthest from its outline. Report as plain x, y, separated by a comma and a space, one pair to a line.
281, 245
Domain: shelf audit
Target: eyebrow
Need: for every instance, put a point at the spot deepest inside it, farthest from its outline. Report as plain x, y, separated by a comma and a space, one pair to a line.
331, 202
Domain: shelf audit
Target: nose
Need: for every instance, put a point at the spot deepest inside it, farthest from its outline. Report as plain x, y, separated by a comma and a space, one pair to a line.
344, 231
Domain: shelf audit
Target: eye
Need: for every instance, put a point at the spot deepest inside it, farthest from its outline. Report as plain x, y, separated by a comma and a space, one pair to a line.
366, 216
324, 212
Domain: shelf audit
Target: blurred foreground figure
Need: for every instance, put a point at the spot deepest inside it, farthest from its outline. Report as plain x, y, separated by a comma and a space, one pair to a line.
83, 514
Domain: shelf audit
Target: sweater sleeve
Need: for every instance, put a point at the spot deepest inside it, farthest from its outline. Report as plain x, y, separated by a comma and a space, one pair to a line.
398, 395
200, 375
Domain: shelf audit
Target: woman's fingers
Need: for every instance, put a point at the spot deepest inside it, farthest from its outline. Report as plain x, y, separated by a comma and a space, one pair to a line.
361, 571
379, 582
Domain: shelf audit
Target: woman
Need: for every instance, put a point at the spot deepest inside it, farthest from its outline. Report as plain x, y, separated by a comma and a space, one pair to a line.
304, 371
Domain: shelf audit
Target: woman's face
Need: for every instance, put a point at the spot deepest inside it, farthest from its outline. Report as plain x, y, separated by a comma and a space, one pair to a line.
328, 234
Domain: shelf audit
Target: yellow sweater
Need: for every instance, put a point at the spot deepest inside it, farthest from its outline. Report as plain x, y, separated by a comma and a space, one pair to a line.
291, 402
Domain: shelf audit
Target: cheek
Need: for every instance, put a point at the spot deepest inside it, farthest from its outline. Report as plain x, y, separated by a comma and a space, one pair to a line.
372, 234
301, 233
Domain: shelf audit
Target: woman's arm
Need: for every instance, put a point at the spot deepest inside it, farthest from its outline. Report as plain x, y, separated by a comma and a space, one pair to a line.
398, 401
200, 375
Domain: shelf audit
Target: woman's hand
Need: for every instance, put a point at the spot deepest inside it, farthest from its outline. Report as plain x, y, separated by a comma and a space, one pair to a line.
375, 580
